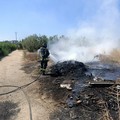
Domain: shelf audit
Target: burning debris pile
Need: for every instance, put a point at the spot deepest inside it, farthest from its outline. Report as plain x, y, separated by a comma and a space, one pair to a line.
84, 102
76, 99
68, 68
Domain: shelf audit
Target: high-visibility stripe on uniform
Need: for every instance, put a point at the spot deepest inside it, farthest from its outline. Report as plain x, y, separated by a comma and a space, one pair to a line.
42, 69
44, 59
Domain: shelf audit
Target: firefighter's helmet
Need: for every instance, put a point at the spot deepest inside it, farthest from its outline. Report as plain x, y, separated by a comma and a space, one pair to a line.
44, 45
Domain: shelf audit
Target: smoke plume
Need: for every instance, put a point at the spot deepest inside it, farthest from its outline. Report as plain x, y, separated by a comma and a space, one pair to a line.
97, 35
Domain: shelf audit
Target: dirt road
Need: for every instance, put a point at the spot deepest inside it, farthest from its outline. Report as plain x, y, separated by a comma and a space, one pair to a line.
20, 105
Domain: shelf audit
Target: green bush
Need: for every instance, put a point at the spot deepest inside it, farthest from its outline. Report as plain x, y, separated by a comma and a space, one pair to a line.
5, 52
6, 48
33, 42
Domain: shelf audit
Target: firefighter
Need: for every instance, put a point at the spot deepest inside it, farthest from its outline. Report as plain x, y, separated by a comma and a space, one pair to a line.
44, 54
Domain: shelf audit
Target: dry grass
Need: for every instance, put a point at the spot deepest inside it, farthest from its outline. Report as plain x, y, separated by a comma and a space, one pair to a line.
31, 56
114, 56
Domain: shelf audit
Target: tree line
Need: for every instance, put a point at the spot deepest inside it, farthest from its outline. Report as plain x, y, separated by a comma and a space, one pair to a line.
31, 43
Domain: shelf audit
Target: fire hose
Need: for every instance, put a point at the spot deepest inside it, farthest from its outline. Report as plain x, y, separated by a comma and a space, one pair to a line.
21, 88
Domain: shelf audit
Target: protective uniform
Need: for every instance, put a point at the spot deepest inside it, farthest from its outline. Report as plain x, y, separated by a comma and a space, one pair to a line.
44, 53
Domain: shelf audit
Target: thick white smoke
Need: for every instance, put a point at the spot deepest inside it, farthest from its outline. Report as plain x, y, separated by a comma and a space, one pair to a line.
98, 35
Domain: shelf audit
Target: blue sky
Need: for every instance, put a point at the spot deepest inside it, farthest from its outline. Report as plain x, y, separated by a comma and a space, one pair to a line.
49, 17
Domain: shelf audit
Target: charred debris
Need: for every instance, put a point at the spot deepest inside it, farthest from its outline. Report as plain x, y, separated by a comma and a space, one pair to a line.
75, 70
85, 96
68, 67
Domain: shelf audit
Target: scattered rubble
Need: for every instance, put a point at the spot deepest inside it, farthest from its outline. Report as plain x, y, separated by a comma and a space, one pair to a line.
102, 83
92, 104
68, 84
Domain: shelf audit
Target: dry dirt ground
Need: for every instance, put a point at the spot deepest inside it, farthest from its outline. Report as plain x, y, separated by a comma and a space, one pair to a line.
19, 104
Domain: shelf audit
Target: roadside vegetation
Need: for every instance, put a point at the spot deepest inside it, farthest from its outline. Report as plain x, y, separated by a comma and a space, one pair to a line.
29, 44
6, 48
33, 42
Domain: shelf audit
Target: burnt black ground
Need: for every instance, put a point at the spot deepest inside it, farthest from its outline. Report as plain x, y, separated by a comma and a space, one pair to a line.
96, 102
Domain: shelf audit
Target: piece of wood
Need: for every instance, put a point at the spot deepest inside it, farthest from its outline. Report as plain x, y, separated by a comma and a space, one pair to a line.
105, 83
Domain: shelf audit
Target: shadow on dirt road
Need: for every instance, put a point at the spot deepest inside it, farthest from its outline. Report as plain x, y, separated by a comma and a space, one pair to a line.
8, 109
